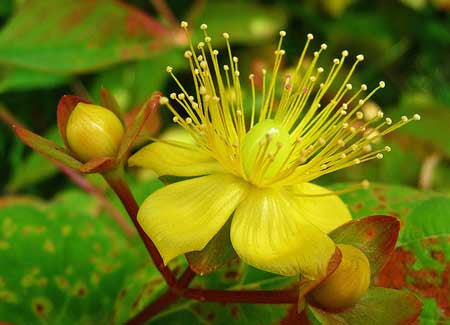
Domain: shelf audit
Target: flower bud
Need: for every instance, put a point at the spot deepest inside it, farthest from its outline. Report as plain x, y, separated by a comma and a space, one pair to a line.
93, 131
347, 284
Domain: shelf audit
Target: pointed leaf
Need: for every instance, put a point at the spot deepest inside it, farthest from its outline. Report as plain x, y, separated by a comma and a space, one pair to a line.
216, 253
136, 126
66, 105
376, 308
375, 236
47, 148
109, 101
98, 165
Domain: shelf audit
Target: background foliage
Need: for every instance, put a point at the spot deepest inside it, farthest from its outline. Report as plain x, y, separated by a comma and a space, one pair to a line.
62, 256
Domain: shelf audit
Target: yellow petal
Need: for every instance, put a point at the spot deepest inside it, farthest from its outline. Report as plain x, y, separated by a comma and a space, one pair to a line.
177, 159
184, 216
270, 232
326, 212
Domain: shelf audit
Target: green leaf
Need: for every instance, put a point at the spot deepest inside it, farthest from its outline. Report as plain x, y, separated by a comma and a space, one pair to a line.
78, 36
17, 78
60, 265
376, 308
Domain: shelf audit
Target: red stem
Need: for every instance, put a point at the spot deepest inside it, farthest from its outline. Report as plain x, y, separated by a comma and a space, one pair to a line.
244, 296
166, 299
116, 180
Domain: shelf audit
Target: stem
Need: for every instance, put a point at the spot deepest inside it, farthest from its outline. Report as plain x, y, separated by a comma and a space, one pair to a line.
244, 296
166, 299
116, 180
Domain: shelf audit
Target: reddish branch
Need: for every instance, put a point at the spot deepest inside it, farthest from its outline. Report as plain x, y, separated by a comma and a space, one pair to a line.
120, 187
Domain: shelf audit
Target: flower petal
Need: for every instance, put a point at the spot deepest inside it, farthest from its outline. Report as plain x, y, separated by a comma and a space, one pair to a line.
184, 216
270, 232
177, 159
325, 212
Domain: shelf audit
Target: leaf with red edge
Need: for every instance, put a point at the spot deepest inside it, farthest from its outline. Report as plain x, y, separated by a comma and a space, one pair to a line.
217, 252
109, 101
306, 285
79, 36
98, 165
376, 307
66, 105
375, 236
47, 148
136, 126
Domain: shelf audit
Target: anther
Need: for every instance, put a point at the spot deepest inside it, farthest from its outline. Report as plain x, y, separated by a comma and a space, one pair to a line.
404, 118
187, 54
310, 36
282, 33
235, 59
323, 46
360, 57
382, 84
188, 120
349, 86
344, 53
320, 70
175, 119
388, 121
226, 35
184, 24
163, 100
359, 115
355, 147
173, 95
201, 45
367, 148
202, 90
226, 67
207, 39
181, 96
336, 61
203, 26
361, 102
380, 155
363, 87
316, 54
169, 69
416, 117
239, 112
380, 114
341, 143
215, 52
237, 73
357, 161
387, 149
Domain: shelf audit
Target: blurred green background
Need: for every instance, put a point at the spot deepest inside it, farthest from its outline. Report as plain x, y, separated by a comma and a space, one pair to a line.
49, 48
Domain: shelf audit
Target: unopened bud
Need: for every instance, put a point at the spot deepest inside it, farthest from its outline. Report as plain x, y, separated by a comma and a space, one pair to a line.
93, 131
347, 284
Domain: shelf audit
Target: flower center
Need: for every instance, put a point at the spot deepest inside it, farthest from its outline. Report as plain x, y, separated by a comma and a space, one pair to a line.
264, 151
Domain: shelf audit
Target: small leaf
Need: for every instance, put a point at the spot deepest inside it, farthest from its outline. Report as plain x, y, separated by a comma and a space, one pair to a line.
47, 148
66, 105
375, 236
136, 126
98, 165
108, 101
376, 308
216, 253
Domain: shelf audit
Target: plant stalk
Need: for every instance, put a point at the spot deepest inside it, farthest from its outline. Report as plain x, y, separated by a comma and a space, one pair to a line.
116, 179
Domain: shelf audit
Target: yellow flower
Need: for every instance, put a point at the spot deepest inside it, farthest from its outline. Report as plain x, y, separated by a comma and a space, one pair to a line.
256, 166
